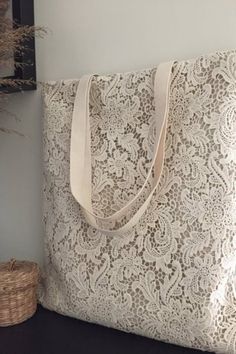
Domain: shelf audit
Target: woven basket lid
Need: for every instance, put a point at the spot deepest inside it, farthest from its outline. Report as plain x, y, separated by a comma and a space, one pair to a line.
16, 275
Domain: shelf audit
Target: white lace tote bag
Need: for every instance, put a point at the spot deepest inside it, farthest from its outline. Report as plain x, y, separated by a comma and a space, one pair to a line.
140, 201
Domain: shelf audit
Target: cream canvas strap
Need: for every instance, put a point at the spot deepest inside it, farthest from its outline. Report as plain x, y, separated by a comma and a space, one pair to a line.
80, 152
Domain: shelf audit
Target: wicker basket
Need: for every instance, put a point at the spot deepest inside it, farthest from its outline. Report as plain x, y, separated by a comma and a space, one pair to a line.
18, 285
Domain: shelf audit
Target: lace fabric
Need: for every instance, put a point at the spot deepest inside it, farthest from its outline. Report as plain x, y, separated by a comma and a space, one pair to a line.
172, 277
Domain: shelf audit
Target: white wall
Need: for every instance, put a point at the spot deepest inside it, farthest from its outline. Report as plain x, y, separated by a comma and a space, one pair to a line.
93, 36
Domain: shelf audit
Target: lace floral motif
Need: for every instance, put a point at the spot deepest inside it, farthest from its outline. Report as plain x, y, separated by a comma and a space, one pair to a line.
172, 277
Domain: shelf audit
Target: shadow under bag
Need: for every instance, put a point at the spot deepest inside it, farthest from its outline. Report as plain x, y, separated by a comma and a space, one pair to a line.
140, 201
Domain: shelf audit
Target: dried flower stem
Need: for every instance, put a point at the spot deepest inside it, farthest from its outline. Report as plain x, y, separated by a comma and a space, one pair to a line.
13, 41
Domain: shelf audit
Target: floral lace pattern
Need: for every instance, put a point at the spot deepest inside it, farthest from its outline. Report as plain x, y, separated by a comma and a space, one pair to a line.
172, 277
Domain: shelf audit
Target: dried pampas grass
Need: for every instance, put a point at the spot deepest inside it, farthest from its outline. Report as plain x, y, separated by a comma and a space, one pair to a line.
13, 39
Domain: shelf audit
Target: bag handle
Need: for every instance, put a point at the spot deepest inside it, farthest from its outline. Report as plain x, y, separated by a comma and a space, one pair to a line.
80, 153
